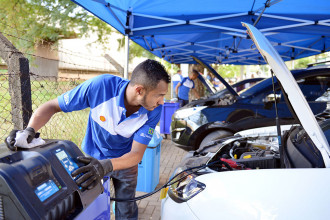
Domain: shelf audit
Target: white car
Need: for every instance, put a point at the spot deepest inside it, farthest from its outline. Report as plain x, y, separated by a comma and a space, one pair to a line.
252, 176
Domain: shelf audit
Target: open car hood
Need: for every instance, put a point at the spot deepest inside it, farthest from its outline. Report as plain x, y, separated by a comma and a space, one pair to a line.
210, 69
290, 86
208, 85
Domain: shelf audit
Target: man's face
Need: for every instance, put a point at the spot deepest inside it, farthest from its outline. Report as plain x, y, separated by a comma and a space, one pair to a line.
153, 98
193, 76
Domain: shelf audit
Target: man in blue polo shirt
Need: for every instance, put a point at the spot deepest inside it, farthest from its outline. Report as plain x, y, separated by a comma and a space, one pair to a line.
123, 115
187, 83
176, 78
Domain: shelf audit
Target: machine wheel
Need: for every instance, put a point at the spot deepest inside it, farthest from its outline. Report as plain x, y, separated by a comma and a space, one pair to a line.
214, 136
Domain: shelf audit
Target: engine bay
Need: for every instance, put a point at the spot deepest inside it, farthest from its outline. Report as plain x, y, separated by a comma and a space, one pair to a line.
247, 153
227, 99
259, 150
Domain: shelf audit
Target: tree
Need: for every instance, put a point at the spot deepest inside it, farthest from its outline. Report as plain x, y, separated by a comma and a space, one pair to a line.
228, 71
303, 62
29, 22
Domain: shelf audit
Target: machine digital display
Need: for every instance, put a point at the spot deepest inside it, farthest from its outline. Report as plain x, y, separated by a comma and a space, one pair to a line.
45, 190
66, 161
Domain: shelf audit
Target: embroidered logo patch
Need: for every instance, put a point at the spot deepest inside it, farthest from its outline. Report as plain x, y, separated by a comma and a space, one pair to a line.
66, 99
102, 118
151, 131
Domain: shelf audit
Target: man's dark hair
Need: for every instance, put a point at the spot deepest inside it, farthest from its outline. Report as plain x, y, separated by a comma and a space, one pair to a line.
195, 72
149, 73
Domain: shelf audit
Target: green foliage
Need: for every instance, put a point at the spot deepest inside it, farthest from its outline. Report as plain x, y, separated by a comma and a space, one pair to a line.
264, 68
303, 62
29, 22
170, 68
227, 71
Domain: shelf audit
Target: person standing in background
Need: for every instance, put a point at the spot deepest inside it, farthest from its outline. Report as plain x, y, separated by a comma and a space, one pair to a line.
209, 77
216, 82
176, 79
182, 88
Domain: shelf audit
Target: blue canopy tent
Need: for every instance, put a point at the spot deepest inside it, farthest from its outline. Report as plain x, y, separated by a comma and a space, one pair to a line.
212, 30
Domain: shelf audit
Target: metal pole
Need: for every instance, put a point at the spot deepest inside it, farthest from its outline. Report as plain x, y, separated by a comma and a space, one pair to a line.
126, 57
242, 72
19, 83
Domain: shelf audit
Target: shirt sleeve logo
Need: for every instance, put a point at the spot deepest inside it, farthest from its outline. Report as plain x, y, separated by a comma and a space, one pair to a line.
102, 118
142, 135
151, 131
66, 99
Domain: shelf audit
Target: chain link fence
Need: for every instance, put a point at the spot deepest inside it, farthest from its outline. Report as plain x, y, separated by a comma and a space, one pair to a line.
30, 78
27, 80
68, 126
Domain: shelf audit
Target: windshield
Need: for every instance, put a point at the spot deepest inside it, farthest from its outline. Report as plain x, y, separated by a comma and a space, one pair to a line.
255, 89
239, 87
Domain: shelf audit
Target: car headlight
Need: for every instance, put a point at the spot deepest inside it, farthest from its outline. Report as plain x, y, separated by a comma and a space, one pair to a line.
185, 187
184, 113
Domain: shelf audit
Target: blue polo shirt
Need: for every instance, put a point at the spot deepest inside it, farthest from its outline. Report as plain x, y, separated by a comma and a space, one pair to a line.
176, 79
109, 132
184, 88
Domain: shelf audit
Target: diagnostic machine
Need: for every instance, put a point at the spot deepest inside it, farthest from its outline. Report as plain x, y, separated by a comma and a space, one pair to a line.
37, 184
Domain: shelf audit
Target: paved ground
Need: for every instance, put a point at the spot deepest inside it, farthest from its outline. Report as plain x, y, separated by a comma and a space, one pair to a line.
170, 157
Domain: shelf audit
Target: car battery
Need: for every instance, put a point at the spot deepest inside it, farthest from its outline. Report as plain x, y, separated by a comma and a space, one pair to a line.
37, 183
269, 162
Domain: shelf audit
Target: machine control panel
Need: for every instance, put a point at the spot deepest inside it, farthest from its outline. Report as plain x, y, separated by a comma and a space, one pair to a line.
66, 161
47, 189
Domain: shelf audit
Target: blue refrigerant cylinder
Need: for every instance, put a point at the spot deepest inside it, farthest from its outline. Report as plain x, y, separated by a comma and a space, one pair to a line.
148, 168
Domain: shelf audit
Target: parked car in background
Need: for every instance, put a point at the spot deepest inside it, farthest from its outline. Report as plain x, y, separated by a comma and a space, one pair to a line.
253, 175
194, 126
239, 86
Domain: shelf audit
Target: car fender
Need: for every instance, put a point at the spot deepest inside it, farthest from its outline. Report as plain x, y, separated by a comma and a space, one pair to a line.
239, 114
182, 210
197, 137
264, 194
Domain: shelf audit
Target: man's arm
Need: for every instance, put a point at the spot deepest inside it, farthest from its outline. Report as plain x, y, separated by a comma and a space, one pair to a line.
177, 88
130, 159
196, 93
43, 113
94, 170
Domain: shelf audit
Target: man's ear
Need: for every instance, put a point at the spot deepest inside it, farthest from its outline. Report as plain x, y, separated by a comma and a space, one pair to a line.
139, 89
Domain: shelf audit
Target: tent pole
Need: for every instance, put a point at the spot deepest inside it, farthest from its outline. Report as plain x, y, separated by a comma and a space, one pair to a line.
126, 57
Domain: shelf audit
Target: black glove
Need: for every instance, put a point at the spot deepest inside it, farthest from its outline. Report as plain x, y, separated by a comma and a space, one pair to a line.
93, 172
11, 139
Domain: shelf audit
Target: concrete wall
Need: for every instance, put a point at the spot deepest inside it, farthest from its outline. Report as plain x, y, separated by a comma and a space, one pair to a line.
84, 54
46, 61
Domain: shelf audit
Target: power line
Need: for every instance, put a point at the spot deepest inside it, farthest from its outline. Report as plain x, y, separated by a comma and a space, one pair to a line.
61, 51
30, 54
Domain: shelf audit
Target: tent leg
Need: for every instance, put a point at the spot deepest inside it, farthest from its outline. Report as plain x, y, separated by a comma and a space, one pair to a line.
126, 57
